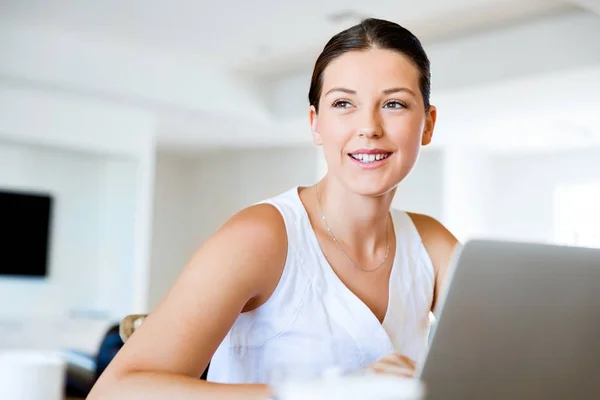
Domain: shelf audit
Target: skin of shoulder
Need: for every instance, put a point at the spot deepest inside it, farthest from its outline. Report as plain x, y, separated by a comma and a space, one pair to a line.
233, 271
263, 229
252, 245
440, 244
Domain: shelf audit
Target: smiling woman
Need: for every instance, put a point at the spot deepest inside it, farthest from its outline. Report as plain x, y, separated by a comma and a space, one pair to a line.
388, 106
327, 276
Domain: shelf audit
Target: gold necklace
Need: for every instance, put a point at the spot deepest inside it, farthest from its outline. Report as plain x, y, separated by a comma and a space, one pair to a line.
387, 231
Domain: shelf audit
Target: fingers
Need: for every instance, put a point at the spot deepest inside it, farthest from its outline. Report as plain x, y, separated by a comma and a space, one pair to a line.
401, 359
394, 364
395, 371
397, 359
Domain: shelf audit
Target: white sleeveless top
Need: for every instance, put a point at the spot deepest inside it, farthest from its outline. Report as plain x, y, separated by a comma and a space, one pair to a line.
312, 318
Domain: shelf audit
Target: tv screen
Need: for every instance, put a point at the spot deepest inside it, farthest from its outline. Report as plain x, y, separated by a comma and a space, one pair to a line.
25, 220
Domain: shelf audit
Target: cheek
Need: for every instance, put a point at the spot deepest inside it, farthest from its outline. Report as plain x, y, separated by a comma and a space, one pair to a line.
335, 132
405, 133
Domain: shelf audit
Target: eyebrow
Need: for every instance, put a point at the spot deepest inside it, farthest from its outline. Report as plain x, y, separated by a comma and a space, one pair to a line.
399, 89
340, 89
386, 91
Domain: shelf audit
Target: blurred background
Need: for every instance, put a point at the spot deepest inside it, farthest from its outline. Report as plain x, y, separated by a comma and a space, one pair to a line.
136, 128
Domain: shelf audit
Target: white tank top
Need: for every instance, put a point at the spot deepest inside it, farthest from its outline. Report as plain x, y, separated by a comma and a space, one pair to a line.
312, 318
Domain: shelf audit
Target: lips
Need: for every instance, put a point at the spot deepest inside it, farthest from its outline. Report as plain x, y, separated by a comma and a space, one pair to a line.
370, 158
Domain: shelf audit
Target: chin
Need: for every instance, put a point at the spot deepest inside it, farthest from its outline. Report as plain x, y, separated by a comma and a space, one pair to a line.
371, 187
379, 180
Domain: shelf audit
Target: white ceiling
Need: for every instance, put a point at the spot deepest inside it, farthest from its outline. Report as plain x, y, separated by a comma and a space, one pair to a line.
259, 35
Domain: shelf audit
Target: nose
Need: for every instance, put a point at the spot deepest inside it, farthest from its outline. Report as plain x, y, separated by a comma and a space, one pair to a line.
370, 125
369, 133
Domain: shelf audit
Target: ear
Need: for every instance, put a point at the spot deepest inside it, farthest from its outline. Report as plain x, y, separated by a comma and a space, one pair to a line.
429, 125
314, 126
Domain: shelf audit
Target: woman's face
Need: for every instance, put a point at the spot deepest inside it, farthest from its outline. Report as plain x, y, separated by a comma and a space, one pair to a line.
371, 120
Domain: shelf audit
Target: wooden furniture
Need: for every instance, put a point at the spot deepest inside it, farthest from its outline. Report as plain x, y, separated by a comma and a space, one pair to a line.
129, 324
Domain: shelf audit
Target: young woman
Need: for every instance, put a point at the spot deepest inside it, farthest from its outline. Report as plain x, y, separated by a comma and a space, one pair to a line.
318, 276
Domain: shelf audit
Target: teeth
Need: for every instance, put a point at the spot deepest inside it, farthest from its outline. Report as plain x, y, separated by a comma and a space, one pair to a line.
369, 158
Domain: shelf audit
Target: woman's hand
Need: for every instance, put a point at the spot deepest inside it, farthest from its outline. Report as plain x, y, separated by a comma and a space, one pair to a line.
393, 364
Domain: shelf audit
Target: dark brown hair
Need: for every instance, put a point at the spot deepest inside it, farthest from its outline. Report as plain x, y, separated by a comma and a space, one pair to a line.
372, 33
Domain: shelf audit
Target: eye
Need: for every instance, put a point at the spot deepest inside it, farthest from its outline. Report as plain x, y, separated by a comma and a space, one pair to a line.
394, 104
341, 104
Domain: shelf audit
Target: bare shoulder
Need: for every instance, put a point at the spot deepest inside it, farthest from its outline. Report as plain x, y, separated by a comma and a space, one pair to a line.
261, 225
256, 239
440, 244
436, 238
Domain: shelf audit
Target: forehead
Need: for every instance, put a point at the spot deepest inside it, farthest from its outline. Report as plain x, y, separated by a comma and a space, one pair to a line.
373, 68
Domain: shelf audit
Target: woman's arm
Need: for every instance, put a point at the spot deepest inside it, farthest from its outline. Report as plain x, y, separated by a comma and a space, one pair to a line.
440, 244
236, 270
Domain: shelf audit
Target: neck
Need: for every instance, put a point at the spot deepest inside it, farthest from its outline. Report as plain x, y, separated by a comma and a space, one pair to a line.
359, 222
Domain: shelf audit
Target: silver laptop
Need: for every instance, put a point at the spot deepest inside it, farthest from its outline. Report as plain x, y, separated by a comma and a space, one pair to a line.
517, 321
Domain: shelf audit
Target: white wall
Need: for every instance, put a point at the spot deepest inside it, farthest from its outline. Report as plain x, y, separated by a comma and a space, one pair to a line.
268, 172
117, 260
98, 158
91, 249
225, 182
74, 182
523, 191
92, 254
195, 196
65, 121
55, 118
422, 190
467, 190
172, 243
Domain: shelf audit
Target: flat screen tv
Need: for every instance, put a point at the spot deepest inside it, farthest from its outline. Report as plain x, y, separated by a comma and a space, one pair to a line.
25, 223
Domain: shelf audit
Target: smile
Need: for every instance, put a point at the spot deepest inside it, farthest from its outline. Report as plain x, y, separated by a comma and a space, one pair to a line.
370, 158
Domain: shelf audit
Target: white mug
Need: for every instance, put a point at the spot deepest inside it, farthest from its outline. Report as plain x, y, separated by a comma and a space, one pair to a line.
31, 375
